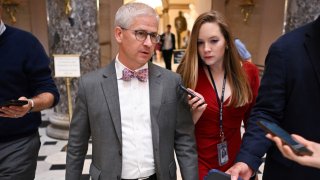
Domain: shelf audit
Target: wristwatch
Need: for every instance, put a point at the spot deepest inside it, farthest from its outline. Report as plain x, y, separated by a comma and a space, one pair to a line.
32, 104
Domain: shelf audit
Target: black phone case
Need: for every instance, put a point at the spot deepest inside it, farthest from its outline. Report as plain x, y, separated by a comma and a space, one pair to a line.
14, 103
276, 130
215, 174
187, 91
190, 93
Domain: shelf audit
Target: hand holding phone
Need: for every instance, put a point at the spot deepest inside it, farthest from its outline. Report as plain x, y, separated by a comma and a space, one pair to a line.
276, 130
14, 103
190, 93
215, 174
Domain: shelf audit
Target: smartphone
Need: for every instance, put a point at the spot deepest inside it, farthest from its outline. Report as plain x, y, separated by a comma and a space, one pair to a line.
14, 103
215, 174
276, 130
188, 91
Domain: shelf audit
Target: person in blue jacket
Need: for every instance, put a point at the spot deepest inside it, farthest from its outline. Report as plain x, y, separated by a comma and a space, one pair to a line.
242, 50
289, 95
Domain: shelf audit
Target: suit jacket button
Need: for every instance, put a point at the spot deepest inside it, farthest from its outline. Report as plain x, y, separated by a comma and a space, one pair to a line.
120, 153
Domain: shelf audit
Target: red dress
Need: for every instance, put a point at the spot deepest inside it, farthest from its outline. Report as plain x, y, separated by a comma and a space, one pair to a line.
207, 128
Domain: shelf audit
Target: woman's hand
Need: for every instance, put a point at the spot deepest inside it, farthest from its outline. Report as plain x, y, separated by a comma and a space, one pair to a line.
197, 105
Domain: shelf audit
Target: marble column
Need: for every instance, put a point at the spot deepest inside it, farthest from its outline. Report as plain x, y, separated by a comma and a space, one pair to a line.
73, 33
300, 12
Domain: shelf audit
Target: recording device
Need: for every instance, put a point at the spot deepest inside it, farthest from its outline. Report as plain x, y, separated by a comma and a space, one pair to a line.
14, 103
276, 130
190, 93
215, 174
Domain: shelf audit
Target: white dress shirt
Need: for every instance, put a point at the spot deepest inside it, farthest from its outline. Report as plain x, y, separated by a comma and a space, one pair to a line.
168, 41
2, 27
137, 148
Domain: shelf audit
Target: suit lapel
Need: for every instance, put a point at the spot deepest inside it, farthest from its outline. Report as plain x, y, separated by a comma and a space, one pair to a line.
312, 44
110, 89
156, 91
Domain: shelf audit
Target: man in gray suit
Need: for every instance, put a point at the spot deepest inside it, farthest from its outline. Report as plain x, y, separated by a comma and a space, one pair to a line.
133, 110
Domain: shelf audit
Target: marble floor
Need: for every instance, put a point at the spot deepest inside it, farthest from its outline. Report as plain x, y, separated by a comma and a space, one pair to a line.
52, 155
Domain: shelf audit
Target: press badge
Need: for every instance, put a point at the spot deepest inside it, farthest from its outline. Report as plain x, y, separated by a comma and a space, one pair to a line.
223, 153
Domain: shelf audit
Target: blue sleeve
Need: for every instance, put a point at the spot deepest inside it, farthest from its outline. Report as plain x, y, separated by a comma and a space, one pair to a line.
270, 105
39, 75
242, 50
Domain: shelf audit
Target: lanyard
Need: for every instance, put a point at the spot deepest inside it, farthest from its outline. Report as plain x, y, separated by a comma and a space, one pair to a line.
220, 101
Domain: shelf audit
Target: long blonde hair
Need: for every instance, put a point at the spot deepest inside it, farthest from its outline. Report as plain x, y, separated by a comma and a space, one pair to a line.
241, 93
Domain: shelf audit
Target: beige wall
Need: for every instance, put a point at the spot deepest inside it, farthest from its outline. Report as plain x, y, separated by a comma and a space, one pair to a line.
38, 21
272, 26
264, 26
31, 16
22, 16
108, 45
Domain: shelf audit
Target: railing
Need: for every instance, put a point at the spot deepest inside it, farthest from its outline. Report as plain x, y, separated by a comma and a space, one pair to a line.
261, 69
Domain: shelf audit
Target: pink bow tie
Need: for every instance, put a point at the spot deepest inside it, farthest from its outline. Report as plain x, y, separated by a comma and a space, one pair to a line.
141, 75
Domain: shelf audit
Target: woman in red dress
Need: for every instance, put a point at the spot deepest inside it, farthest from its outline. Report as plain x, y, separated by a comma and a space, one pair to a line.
213, 70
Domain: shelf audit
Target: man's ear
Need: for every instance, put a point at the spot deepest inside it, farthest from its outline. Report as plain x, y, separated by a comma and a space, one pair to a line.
118, 34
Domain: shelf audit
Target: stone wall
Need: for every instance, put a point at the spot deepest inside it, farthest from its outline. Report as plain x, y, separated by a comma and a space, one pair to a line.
74, 33
300, 12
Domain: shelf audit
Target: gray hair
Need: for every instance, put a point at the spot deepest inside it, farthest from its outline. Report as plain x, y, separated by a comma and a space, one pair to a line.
127, 12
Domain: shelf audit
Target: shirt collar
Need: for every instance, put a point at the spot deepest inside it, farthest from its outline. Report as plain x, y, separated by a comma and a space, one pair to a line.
119, 67
2, 27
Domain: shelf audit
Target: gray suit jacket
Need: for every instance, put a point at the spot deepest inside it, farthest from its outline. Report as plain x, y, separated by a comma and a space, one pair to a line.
97, 114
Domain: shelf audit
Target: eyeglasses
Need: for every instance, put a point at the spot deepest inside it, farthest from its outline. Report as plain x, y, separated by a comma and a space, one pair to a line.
142, 35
